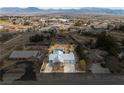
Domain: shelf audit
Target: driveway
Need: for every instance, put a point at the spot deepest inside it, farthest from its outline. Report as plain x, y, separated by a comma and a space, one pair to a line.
69, 68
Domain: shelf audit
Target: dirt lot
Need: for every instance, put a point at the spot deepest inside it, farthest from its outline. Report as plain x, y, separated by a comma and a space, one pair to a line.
11, 27
83, 39
118, 35
67, 47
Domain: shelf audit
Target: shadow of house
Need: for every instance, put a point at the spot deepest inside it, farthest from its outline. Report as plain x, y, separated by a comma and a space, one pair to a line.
2, 72
29, 74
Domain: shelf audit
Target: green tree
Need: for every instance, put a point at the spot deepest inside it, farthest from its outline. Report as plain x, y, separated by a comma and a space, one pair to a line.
122, 42
92, 26
26, 23
36, 38
52, 33
78, 23
108, 43
121, 28
80, 52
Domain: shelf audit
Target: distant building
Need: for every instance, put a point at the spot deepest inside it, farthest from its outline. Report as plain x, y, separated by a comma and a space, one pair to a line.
25, 55
43, 21
1, 27
58, 55
63, 20
58, 20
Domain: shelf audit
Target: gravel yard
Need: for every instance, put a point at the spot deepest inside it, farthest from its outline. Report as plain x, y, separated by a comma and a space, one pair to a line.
96, 68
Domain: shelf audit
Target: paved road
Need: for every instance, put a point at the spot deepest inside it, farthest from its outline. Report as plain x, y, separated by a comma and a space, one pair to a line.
12, 44
77, 79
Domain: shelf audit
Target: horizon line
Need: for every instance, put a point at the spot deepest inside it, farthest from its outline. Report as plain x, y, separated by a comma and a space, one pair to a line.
64, 7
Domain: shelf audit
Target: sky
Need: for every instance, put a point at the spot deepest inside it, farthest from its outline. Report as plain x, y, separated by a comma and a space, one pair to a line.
62, 3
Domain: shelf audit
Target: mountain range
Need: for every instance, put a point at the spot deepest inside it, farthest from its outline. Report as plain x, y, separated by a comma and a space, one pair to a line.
85, 10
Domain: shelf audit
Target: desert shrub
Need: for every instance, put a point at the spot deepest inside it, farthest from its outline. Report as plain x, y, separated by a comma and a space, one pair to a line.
83, 65
36, 38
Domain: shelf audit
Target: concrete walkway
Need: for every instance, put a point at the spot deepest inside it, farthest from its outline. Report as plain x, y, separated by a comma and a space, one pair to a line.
48, 68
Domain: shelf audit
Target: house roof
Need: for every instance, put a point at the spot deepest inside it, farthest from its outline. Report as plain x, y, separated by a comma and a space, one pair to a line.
23, 54
62, 57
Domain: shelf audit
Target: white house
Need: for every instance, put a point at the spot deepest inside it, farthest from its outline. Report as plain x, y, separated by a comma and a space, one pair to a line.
58, 55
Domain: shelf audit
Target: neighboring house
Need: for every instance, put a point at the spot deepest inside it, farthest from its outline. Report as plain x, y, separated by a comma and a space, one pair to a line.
58, 55
25, 55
